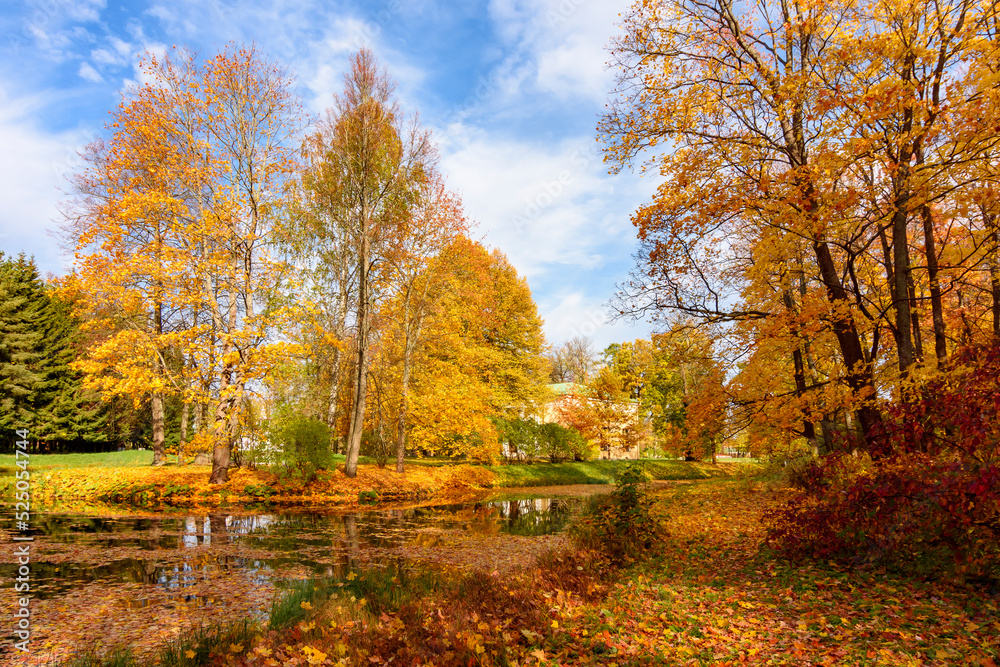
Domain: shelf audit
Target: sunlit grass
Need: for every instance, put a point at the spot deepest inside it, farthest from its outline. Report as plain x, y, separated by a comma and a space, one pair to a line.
205, 646
603, 472
119, 657
128, 457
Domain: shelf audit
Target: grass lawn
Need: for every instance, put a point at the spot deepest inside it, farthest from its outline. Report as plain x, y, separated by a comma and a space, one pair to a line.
128, 457
127, 479
604, 472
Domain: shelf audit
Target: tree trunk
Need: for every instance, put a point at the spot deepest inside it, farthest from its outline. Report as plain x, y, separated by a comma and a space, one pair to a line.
994, 264
361, 364
223, 433
859, 377
159, 431
222, 446
937, 310
918, 344
408, 347
333, 397
403, 408
799, 371
901, 292
156, 401
185, 412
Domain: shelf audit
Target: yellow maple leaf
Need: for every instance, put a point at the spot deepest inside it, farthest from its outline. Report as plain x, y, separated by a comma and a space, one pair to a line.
555, 624
305, 605
235, 648
189, 654
313, 656
263, 651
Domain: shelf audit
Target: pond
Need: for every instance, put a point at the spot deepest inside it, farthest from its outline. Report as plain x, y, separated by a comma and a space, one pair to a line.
139, 580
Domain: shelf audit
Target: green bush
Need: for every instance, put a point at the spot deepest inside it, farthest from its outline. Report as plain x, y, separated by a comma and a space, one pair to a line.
527, 439
561, 443
624, 525
304, 444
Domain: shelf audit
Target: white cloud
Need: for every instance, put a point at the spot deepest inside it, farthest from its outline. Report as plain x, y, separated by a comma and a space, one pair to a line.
329, 58
578, 313
575, 68
536, 185
88, 72
105, 57
31, 178
83, 10
162, 13
546, 205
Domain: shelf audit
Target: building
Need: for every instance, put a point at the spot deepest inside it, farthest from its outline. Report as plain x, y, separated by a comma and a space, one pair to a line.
617, 427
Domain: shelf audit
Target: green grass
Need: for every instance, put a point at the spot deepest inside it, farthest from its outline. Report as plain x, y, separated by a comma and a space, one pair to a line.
203, 646
286, 610
129, 457
384, 589
119, 657
602, 472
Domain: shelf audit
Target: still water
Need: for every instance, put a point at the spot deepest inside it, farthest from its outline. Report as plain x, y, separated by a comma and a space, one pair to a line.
135, 579
176, 551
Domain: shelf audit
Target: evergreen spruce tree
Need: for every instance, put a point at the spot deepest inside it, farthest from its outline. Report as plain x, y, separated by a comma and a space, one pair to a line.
20, 341
38, 389
68, 414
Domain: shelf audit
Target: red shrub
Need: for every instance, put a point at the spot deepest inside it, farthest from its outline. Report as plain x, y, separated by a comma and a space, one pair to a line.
930, 502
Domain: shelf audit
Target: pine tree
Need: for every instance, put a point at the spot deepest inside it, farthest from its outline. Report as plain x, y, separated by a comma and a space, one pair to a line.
20, 379
69, 414
38, 389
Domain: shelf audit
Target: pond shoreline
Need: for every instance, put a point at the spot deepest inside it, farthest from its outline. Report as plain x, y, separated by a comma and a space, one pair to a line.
152, 573
186, 488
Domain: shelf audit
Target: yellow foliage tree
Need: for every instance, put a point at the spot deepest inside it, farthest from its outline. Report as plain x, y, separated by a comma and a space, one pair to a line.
172, 228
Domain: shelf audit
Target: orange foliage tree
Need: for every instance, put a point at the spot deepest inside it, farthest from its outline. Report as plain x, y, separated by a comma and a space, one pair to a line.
480, 357
827, 193
172, 226
367, 169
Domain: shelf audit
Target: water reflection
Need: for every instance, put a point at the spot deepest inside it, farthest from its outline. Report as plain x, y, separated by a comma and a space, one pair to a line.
175, 554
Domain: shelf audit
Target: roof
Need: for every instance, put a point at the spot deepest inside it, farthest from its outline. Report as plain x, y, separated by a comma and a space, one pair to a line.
563, 388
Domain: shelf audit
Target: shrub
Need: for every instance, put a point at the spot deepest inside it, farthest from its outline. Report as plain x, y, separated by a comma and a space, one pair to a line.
928, 499
624, 525
561, 443
526, 439
304, 443
914, 513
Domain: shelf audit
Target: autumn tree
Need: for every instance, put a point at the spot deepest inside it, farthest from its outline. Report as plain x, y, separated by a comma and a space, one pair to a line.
172, 225
436, 222
367, 167
573, 361
819, 145
481, 358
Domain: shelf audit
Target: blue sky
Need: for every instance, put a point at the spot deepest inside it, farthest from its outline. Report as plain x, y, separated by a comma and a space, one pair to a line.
512, 90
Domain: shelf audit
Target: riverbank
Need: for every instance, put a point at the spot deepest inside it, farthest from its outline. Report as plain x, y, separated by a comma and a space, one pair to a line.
88, 479
713, 594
